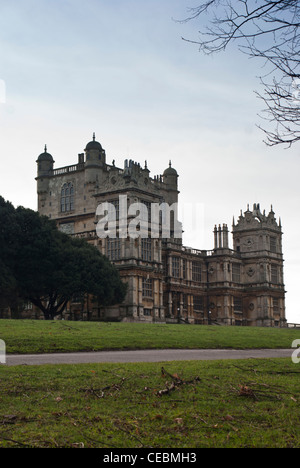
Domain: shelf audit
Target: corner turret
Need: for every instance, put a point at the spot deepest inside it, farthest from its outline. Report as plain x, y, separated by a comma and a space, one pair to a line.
45, 163
255, 231
170, 179
95, 159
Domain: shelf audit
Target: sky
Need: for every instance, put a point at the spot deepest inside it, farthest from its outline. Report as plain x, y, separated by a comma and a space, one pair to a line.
121, 69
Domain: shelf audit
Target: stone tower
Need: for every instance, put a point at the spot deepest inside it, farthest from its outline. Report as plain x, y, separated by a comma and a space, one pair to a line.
45, 165
95, 160
257, 240
170, 178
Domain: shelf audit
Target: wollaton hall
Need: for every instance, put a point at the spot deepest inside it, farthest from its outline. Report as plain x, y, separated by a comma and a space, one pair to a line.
167, 282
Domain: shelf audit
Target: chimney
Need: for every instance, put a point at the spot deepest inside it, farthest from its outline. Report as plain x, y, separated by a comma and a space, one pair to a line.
225, 236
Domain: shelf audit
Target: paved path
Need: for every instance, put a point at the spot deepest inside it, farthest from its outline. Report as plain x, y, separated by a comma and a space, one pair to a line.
145, 356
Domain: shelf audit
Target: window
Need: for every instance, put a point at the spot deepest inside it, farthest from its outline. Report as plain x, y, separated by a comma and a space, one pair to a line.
67, 228
198, 303
236, 272
175, 267
115, 206
146, 249
275, 305
262, 276
274, 274
148, 206
273, 244
184, 269
184, 301
113, 249
147, 312
237, 304
175, 303
165, 265
196, 271
77, 298
67, 198
147, 287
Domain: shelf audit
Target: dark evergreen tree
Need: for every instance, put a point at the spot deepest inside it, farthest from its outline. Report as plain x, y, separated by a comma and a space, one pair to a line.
47, 267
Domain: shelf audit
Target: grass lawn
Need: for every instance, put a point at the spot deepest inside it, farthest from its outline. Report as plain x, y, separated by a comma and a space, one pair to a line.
38, 336
249, 403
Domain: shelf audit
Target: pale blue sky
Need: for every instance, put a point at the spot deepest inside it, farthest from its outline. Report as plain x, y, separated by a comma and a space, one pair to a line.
121, 69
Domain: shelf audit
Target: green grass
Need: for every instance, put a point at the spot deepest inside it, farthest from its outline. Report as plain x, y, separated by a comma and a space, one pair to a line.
38, 336
251, 403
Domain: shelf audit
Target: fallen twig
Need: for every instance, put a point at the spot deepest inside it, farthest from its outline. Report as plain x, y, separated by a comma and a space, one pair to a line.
176, 382
258, 391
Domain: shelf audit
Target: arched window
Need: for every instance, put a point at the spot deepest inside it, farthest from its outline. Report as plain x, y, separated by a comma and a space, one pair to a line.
67, 198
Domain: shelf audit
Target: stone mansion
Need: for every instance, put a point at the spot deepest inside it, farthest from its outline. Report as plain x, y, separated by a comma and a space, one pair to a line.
167, 282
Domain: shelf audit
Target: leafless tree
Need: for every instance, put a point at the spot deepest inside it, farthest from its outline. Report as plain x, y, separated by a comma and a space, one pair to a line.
265, 29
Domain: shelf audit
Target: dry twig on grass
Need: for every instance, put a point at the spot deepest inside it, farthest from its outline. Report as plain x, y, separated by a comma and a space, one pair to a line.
176, 382
258, 391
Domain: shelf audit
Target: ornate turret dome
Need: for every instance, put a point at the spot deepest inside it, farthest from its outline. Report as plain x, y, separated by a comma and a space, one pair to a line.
170, 171
45, 156
93, 145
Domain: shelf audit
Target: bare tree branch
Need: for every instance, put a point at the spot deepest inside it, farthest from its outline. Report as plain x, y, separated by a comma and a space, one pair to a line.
265, 29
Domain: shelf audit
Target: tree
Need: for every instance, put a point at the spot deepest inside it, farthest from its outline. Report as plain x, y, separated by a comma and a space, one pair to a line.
265, 29
9, 230
54, 267
48, 267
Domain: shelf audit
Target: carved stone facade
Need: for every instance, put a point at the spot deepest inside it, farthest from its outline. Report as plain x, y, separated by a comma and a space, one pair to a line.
167, 282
